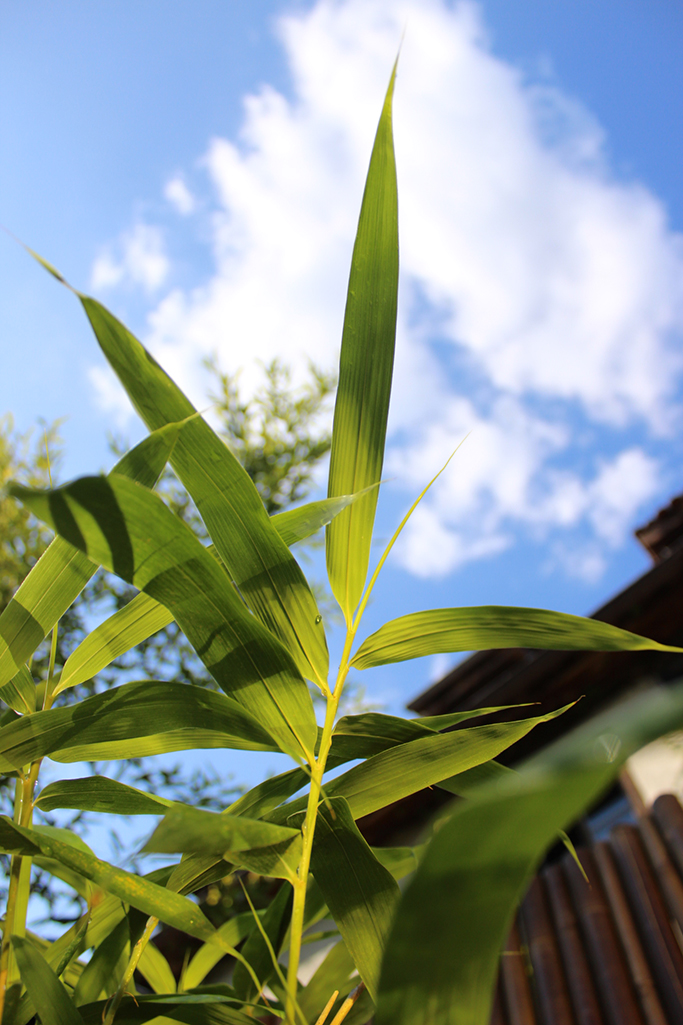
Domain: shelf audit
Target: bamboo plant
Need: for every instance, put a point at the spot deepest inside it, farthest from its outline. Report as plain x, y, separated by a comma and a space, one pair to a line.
424, 955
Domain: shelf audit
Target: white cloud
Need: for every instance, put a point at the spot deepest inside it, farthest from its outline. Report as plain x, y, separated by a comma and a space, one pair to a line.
142, 261
556, 288
179, 196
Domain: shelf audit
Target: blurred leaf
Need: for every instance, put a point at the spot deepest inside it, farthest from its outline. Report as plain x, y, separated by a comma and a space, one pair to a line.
262, 566
361, 894
135, 622
102, 973
442, 956
297, 524
117, 724
190, 830
98, 793
207, 957
402, 770
156, 969
493, 626
400, 861
47, 993
465, 782
129, 530
191, 1008
365, 371
275, 922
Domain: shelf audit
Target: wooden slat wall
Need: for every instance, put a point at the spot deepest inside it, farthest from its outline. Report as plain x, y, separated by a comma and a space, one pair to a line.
606, 952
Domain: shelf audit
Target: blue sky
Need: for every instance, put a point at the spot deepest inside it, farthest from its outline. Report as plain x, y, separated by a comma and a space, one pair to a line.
199, 168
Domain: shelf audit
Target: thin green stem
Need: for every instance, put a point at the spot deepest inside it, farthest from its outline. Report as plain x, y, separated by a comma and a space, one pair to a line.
135, 956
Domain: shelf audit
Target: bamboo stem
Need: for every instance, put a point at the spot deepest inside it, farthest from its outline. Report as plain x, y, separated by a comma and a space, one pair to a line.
135, 956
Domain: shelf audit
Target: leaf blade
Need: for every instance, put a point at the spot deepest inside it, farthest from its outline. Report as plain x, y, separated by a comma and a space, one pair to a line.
46, 992
365, 371
492, 626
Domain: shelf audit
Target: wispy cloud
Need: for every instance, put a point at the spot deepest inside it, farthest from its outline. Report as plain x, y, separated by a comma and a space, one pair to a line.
138, 258
542, 296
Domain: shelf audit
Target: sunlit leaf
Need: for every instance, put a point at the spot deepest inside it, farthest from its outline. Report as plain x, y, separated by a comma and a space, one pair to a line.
129, 530
262, 566
192, 830
119, 723
365, 371
493, 626
295, 525
274, 923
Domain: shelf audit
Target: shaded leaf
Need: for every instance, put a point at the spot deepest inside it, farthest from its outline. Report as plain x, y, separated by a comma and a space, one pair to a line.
275, 922
361, 894
20, 692
493, 626
47, 993
129, 530
442, 955
104, 970
365, 371
465, 782
98, 793
207, 957
156, 969
266, 796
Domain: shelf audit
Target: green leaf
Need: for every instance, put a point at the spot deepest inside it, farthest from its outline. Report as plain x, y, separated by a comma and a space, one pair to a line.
154, 900
119, 722
129, 530
156, 969
493, 626
135, 622
402, 770
279, 860
47, 993
361, 894
266, 796
275, 923
442, 955
207, 957
297, 524
333, 974
259, 561
53, 584
20, 692
365, 371
98, 793
400, 861
62, 572
465, 782
104, 970
191, 1008
442, 722
190, 830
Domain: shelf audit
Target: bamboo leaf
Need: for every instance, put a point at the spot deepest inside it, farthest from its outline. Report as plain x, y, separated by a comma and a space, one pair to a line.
191, 830
333, 974
104, 970
481, 775
263, 568
156, 969
135, 622
442, 955
442, 722
493, 626
118, 724
266, 796
207, 957
191, 1008
400, 861
297, 524
129, 530
365, 371
20, 692
47, 993
97, 793
275, 922
402, 770
361, 894
62, 572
